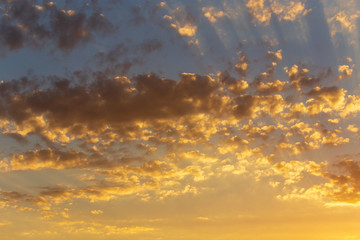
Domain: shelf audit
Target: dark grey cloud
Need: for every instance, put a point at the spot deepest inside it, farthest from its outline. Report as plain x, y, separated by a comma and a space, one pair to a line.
25, 24
123, 56
103, 101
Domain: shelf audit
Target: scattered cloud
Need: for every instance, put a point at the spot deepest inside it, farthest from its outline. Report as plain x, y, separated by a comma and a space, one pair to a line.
212, 14
262, 10
46, 23
344, 71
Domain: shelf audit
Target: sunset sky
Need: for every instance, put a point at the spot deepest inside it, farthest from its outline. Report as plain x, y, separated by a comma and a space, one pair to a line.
172, 120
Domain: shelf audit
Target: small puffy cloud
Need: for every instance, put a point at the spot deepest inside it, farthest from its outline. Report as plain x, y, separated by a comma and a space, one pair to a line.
344, 71
242, 66
238, 87
334, 121
275, 56
186, 30
96, 212
212, 14
352, 128
181, 20
270, 87
293, 70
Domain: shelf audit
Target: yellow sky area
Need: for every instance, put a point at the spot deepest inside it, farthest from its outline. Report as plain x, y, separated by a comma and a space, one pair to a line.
243, 211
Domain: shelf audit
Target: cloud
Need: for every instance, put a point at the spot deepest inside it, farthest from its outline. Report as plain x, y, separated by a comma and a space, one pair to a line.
253, 132
259, 11
275, 56
344, 71
333, 139
326, 99
118, 102
343, 20
235, 86
344, 187
24, 24
183, 21
109, 135
262, 10
334, 121
123, 57
55, 159
351, 107
52, 196
100, 109
242, 65
290, 11
270, 88
304, 137
352, 128
200, 157
339, 185
212, 14
186, 30
298, 76
96, 212
293, 171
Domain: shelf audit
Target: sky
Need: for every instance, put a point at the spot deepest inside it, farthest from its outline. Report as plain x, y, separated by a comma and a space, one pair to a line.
196, 120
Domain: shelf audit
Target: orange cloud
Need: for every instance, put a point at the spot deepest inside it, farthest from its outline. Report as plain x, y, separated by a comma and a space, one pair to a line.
212, 14
344, 71
261, 10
